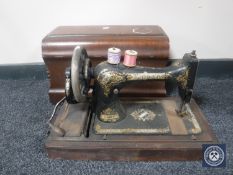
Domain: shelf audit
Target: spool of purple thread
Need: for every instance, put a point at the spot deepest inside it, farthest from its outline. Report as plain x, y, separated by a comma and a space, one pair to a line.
114, 55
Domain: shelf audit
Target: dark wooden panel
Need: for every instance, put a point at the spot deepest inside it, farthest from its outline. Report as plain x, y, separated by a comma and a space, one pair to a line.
127, 154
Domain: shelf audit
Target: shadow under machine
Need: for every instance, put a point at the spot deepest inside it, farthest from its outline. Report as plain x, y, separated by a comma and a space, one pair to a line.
94, 121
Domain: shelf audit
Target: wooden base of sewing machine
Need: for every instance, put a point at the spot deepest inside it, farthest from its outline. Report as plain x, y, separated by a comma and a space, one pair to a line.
179, 143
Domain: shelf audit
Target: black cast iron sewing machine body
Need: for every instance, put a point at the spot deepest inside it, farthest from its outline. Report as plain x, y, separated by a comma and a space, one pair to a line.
111, 78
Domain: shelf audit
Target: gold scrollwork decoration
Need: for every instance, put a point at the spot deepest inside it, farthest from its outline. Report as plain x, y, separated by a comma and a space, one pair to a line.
109, 115
100, 130
108, 79
183, 78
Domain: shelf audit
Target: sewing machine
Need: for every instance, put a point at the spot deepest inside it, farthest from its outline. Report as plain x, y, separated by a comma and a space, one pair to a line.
94, 122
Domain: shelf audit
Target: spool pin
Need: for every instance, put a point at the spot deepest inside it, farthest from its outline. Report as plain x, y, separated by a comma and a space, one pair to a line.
130, 58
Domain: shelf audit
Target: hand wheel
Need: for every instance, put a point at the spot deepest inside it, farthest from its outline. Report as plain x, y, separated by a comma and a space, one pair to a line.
78, 79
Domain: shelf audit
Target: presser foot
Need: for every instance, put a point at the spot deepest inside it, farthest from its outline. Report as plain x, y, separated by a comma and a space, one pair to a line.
182, 111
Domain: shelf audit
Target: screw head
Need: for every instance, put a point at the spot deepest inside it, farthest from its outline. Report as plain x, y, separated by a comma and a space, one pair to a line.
193, 53
116, 91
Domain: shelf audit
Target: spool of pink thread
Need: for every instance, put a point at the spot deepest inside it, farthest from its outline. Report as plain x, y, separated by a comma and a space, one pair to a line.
130, 58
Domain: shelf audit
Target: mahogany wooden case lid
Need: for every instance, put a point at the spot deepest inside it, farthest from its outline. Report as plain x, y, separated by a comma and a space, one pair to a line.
149, 41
